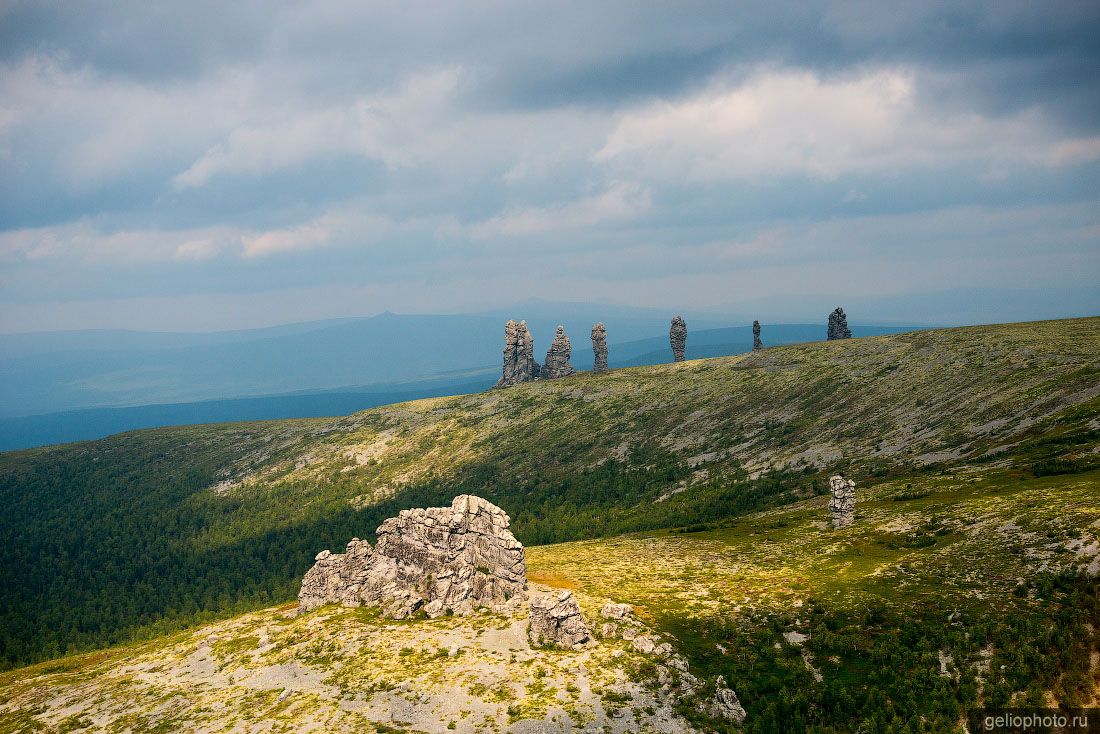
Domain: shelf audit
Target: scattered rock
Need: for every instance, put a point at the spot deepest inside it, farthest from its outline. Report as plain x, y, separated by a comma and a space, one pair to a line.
557, 357
677, 338
612, 610
838, 325
519, 355
726, 704
649, 646
599, 347
441, 559
556, 619
793, 637
609, 629
757, 345
842, 504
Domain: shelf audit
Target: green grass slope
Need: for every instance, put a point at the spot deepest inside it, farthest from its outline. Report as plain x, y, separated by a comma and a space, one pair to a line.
143, 532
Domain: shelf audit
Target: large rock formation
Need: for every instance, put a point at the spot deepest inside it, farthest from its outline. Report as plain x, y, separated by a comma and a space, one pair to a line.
757, 345
557, 357
599, 348
519, 355
677, 338
441, 559
838, 325
842, 503
556, 619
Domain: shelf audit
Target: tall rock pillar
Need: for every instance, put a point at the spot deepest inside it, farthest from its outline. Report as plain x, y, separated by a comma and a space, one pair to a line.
838, 325
519, 355
599, 348
557, 357
677, 338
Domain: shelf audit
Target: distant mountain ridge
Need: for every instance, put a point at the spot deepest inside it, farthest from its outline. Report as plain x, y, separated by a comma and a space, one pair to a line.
25, 431
56, 371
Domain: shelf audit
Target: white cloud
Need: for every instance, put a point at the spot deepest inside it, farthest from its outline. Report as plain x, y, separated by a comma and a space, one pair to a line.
306, 237
91, 129
390, 126
780, 122
620, 202
86, 241
89, 241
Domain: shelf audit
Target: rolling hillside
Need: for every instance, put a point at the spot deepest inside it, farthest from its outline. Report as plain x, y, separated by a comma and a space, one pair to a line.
954, 590
143, 532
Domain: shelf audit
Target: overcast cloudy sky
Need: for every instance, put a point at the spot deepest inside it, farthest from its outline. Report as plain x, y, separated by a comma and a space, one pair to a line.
196, 165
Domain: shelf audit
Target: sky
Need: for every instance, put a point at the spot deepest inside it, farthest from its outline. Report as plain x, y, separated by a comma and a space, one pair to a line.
206, 165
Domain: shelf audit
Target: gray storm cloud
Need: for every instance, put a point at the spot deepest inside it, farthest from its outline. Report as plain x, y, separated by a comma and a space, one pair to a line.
419, 158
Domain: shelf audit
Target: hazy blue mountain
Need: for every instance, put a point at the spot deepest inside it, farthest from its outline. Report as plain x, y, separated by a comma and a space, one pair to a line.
92, 423
50, 372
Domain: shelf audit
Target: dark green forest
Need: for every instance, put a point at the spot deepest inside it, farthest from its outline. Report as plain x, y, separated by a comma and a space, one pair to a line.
882, 669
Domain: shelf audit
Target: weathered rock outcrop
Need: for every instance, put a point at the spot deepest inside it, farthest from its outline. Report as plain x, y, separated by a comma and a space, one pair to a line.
557, 357
726, 704
757, 345
441, 559
842, 503
556, 619
519, 355
838, 325
599, 348
677, 338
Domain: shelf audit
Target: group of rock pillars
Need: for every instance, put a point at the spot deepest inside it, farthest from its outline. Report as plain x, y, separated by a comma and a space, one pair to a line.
519, 348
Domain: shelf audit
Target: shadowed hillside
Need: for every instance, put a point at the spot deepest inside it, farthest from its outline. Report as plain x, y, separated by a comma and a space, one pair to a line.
152, 529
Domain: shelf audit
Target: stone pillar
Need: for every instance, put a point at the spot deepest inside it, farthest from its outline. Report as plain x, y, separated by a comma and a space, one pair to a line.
838, 325
677, 338
557, 357
842, 503
599, 348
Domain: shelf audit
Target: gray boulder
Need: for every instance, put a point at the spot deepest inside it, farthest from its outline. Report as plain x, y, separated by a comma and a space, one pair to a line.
556, 619
726, 704
677, 338
519, 355
611, 610
456, 559
838, 325
599, 347
842, 502
557, 357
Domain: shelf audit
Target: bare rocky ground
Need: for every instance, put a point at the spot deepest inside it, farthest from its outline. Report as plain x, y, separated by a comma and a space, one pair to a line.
347, 669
